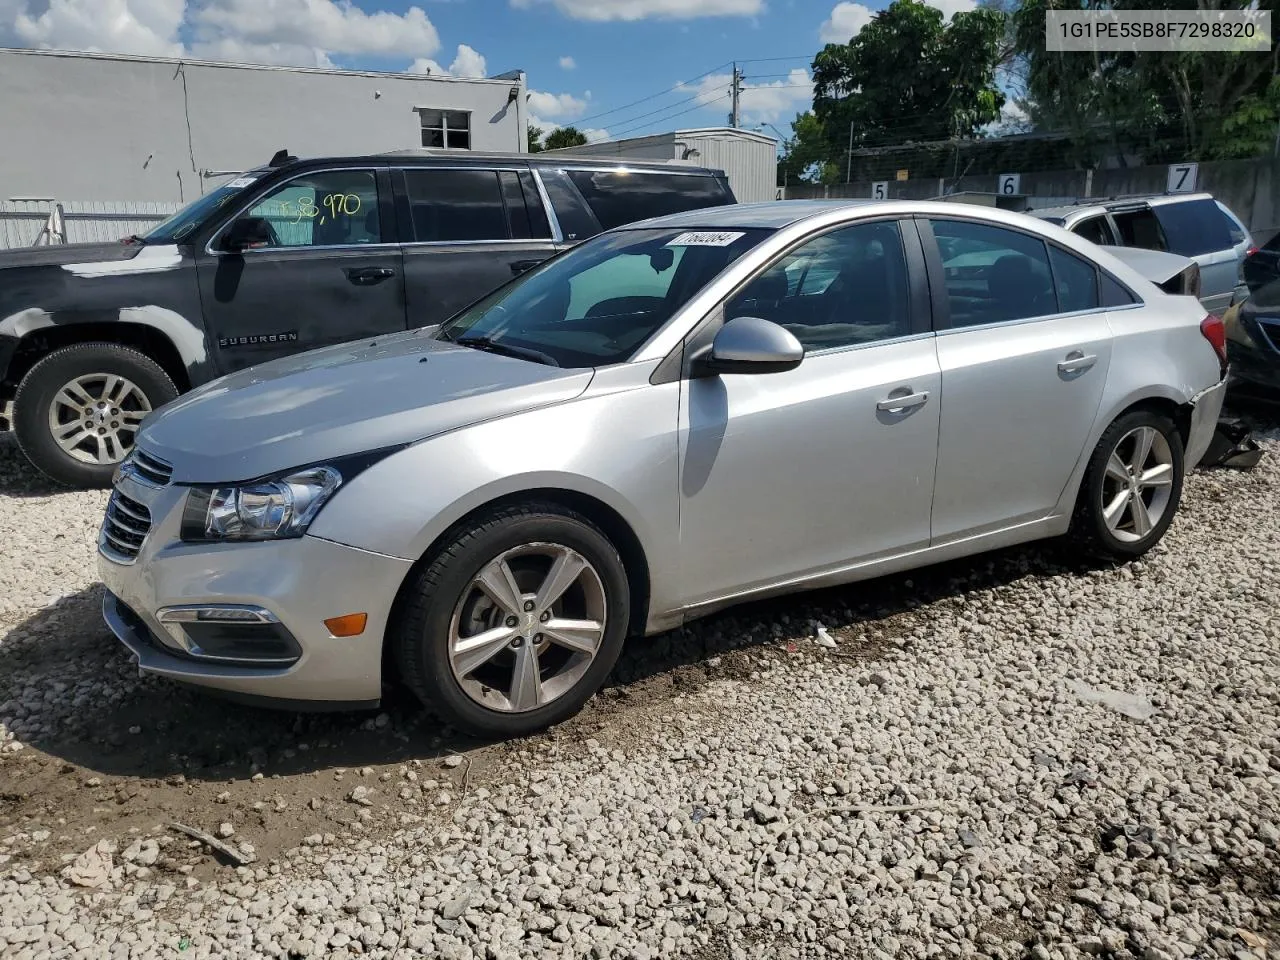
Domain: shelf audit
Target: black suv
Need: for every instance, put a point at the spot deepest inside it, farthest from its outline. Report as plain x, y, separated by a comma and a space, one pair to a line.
287, 257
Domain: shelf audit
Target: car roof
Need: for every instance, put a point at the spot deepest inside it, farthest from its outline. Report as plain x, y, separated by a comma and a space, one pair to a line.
1089, 205
770, 214
466, 157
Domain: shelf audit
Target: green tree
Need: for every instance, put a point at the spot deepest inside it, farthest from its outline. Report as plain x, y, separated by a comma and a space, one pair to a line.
565, 137
535, 139
804, 152
910, 76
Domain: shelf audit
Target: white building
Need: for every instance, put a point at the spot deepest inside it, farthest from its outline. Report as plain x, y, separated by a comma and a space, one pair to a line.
750, 159
99, 127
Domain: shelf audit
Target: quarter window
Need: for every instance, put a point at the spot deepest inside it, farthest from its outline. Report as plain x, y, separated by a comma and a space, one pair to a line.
336, 207
623, 197
1140, 228
445, 129
1094, 230
845, 287
993, 275
1076, 281
453, 205
1193, 227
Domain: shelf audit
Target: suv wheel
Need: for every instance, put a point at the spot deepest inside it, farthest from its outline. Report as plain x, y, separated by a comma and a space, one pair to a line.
514, 625
78, 410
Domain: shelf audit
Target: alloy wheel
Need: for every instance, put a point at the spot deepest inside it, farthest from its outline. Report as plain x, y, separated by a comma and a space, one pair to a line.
94, 418
527, 627
1138, 484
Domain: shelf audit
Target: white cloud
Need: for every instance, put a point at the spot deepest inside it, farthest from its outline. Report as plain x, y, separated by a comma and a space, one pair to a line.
949, 7
235, 50
1013, 119
567, 63
759, 103
337, 26
595, 134
555, 107
602, 10
468, 63
145, 27
846, 21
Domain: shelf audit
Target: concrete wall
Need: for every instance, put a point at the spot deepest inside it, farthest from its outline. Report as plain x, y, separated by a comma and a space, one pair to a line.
1248, 187
749, 159
94, 127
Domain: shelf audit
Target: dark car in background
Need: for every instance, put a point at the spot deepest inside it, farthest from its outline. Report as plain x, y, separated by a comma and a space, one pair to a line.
288, 257
1253, 324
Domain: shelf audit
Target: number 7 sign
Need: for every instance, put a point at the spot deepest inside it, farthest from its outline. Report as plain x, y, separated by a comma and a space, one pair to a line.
1182, 177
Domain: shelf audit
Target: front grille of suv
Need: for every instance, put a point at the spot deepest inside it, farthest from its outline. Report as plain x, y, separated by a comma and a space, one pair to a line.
125, 527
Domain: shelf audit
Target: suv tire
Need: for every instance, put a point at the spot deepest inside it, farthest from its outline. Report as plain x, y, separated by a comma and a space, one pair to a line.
114, 388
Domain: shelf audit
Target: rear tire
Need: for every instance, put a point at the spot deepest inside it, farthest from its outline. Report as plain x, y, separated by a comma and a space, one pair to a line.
479, 645
81, 443
1132, 486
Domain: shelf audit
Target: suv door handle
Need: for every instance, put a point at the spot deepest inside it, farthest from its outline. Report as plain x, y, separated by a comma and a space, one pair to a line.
903, 402
520, 266
368, 276
1077, 362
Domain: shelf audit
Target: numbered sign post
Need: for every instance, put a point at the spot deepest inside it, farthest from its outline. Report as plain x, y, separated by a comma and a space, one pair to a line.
880, 190
1182, 177
1010, 184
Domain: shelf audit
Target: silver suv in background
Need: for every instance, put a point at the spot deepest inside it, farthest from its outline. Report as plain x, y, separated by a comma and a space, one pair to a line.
1192, 225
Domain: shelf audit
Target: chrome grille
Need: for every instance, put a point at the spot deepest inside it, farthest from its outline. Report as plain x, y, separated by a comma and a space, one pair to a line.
125, 527
150, 469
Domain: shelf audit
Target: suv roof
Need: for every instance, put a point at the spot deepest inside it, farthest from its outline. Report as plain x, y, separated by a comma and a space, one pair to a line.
1090, 204
283, 160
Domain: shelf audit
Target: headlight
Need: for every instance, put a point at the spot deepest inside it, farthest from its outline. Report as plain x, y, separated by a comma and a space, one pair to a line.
265, 510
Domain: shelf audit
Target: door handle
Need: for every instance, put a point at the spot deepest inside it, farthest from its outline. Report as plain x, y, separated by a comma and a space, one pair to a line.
1077, 362
368, 276
520, 266
903, 402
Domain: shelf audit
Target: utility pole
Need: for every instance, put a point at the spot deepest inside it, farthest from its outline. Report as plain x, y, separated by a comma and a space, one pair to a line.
735, 90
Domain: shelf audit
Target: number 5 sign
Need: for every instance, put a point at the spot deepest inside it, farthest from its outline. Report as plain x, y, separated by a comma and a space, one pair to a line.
880, 190
1010, 184
1182, 177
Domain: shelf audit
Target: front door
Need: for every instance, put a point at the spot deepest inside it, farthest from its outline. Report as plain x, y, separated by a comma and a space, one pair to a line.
468, 231
786, 475
1024, 358
331, 271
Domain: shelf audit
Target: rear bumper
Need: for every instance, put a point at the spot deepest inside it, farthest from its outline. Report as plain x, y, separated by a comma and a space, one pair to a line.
1206, 408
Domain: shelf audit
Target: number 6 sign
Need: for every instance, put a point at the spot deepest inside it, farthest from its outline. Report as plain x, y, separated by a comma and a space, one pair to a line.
1010, 184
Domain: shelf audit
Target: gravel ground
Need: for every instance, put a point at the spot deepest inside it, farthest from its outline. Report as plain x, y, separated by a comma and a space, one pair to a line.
1017, 755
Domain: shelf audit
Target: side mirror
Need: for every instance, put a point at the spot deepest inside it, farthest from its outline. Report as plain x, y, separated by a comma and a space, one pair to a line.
246, 233
750, 345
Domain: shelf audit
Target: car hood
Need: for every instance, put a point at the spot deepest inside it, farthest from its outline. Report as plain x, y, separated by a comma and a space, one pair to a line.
344, 400
62, 253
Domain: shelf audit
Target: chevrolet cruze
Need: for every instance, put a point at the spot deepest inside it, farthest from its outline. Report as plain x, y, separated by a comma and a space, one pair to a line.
668, 419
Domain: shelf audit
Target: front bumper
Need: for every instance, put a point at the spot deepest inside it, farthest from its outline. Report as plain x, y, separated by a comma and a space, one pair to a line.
1206, 408
302, 581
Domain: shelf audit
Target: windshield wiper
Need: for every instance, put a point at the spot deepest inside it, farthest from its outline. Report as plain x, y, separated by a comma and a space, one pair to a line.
489, 345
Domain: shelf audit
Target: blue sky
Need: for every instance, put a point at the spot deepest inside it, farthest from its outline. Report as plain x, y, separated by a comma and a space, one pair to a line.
587, 61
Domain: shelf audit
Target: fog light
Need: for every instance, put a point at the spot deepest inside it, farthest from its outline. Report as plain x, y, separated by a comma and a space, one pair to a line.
348, 625
231, 634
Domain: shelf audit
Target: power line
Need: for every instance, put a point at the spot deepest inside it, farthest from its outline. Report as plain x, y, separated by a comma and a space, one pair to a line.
648, 123
653, 96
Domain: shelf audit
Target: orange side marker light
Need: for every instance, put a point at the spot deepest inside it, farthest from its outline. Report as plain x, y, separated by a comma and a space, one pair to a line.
348, 625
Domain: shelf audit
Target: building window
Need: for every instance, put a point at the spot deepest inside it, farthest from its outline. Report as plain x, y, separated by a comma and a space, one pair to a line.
446, 129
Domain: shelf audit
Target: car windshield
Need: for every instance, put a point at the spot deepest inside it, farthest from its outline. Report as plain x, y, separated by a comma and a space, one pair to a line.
181, 224
597, 304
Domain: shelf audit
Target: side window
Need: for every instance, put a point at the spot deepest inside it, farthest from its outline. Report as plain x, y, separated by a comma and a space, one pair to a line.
576, 221
845, 287
1193, 227
1140, 228
1114, 294
452, 205
619, 198
993, 274
1094, 230
332, 208
539, 228
1076, 281
1235, 229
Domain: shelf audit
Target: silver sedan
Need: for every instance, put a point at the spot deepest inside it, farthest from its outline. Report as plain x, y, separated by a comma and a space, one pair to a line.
668, 419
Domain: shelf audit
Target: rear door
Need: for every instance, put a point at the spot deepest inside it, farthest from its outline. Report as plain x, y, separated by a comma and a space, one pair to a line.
330, 273
467, 230
1196, 228
1023, 346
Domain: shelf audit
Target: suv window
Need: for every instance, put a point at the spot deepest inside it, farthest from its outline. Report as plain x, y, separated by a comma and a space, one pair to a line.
330, 208
845, 287
1193, 227
1094, 229
1235, 229
1140, 228
993, 274
617, 198
448, 205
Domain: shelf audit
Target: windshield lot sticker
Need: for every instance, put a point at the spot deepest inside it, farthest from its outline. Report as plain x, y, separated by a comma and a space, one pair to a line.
704, 239
239, 182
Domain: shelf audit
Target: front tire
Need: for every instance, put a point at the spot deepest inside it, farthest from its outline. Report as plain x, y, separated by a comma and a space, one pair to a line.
514, 625
78, 410
1132, 486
